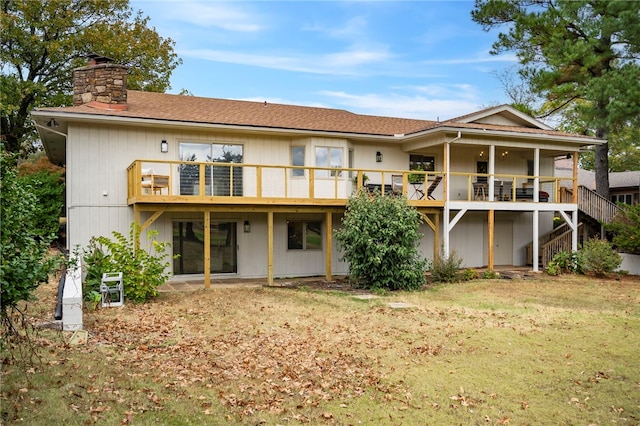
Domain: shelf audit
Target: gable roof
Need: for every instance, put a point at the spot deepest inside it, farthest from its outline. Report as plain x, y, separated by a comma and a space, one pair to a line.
506, 112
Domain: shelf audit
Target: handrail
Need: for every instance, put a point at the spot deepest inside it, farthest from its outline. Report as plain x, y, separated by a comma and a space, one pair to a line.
554, 241
247, 183
596, 206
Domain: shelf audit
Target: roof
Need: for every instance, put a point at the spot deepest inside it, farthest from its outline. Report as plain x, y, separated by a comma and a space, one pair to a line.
181, 108
587, 178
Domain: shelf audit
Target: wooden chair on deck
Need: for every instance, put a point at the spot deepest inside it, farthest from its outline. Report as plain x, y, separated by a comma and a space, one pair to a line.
432, 187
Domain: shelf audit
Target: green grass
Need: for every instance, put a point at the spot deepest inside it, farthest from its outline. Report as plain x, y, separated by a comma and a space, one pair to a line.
543, 351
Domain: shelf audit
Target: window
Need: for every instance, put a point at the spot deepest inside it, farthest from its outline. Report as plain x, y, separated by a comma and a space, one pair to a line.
328, 157
297, 159
422, 162
622, 198
304, 235
217, 179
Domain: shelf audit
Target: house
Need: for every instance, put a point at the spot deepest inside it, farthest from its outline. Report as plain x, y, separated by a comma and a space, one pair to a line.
623, 186
254, 189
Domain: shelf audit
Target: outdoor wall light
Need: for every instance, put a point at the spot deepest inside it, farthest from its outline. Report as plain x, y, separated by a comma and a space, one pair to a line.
505, 154
52, 123
164, 146
247, 226
378, 157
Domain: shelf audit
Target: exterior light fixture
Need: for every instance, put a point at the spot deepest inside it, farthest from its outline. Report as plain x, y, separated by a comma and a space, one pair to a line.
505, 154
247, 226
164, 146
378, 157
52, 123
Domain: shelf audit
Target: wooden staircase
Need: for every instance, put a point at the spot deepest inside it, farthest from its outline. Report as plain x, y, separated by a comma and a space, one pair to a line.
590, 205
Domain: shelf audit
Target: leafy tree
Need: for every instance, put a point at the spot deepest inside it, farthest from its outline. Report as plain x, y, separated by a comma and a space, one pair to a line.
25, 262
626, 229
41, 41
379, 237
580, 54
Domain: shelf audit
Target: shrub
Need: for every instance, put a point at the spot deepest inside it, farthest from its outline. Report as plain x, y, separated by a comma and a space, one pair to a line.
379, 238
143, 269
469, 274
626, 229
566, 262
599, 257
446, 269
490, 275
48, 188
26, 262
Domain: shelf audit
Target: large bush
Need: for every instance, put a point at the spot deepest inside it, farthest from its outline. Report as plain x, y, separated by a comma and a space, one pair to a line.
143, 268
26, 262
626, 230
599, 257
48, 188
379, 238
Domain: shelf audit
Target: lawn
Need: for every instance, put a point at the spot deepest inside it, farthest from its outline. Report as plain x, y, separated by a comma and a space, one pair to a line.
562, 350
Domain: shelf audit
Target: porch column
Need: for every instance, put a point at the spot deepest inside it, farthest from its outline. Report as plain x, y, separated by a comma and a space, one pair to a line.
536, 173
328, 238
207, 249
491, 220
574, 231
270, 248
491, 171
445, 217
136, 219
575, 178
535, 249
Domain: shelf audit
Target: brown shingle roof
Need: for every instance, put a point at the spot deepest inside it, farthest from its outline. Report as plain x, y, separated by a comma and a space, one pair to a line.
256, 114
192, 109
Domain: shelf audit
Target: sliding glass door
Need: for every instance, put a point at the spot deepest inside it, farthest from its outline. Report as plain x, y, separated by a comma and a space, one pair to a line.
218, 180
188, 243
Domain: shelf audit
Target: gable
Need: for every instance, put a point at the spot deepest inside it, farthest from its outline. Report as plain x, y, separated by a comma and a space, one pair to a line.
503, 115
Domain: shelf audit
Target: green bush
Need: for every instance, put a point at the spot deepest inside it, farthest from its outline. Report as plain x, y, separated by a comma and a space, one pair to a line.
26, 261
446, 269
626, 229
143, 269
469, 274
599, 257
490, 275
48, 189
379, 238
566, 262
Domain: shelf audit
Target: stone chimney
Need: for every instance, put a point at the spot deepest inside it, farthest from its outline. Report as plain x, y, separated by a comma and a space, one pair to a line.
100, 84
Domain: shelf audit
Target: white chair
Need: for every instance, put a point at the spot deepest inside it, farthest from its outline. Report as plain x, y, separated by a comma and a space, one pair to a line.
111, 289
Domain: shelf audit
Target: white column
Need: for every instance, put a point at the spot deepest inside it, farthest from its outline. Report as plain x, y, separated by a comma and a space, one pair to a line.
536, 249
536, 172
445, 218
491, 171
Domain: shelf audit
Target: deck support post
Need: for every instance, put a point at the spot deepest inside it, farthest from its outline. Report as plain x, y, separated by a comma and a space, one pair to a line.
207, 249
491, 221
329, 250
536, 241
270, 248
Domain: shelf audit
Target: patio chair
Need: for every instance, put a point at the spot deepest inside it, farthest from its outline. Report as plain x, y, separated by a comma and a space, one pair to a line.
432, 187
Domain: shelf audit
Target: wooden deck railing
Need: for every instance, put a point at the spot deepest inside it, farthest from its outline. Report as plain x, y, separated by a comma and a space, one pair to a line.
242, 183
557, 240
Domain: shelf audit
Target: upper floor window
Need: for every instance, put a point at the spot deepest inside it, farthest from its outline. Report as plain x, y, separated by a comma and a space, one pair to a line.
422, 162
297, 159
328, 157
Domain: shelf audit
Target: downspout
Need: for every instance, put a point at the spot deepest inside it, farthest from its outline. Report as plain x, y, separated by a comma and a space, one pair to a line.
447, 173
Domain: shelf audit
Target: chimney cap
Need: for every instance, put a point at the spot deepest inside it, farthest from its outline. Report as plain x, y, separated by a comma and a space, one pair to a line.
98, 59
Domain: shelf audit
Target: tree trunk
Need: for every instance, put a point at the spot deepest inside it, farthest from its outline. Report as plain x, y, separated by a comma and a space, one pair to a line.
602, 165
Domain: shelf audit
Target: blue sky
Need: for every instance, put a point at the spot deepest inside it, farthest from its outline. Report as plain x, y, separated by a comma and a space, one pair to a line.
416, 59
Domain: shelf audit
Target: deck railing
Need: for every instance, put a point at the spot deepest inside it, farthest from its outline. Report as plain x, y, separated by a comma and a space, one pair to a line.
242, 183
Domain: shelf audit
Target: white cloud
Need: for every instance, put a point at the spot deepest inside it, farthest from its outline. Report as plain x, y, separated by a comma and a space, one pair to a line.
484, 57
397, 105
216, 14
338, 63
